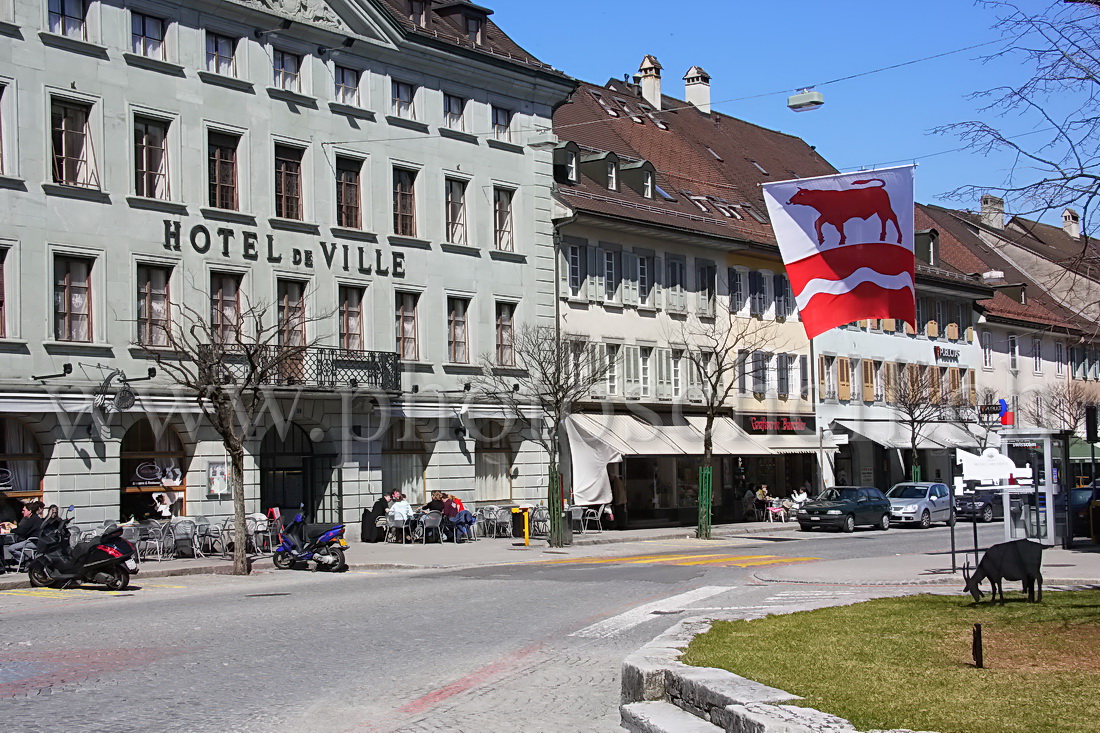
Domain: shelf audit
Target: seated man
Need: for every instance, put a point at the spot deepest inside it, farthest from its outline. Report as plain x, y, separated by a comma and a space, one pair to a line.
25, 534
401, 511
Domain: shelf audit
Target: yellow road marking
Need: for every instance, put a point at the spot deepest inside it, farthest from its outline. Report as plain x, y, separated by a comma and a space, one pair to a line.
776, 561
669, 558
741, 561
726, 559
619, 559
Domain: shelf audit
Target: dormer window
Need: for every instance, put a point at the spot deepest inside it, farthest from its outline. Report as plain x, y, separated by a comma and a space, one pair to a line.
652, 117
418, 13
474, 27
612, 175
647, 184
603, 103
571, 166
630, 113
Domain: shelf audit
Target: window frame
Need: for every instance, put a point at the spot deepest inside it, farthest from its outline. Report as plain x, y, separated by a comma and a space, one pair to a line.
144, 38
290, 306
66, 23
455, 209
346, 333
342, 92
225, 332
215, 166
501, 118
349, 206
399, 107
505, 320
504, 238
288, 169
404, 201
214, 56
4, 292
986, 342
1013, 352
143, 174
1037, 356
451, 119
64, 318
458, 350
281, 75
406, 314
147, 325
86, 159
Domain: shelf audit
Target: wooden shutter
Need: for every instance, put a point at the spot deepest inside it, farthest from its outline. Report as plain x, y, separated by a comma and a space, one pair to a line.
969, 334
632, 356
890, 377
868, 380
909, 329
934, 390
630, 278
932, 329
865, 324
821, 377
595, 274
953, 331
973, 385
954, 384
843, 378
888, 324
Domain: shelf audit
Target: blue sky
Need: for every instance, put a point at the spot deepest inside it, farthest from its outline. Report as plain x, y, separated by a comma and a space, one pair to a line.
751, 48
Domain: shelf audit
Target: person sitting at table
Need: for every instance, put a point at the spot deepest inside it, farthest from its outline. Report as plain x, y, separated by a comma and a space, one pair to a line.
436, 504
371, 532
401, 511
26, 533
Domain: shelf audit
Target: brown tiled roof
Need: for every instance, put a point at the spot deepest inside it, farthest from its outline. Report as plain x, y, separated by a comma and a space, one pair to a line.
494, 41
1081, 255
966, 251
683, 162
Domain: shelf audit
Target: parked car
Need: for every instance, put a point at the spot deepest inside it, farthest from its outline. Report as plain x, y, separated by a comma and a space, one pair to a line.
844, 507
985, 505
921, 502
1080, 504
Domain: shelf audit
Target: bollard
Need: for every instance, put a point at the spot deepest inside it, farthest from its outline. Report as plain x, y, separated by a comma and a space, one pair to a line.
976, 647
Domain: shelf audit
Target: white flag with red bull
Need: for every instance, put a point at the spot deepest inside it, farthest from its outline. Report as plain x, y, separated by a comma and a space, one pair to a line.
847, 243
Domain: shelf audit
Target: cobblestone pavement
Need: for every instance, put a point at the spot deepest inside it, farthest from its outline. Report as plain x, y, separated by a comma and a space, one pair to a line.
496, 648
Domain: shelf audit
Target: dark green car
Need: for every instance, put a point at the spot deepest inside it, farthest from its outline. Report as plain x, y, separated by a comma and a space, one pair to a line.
845, 507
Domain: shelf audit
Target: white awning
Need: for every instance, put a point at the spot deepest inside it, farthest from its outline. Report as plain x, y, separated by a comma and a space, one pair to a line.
798, 443
889, 434
632, 437
728, 438
950, 435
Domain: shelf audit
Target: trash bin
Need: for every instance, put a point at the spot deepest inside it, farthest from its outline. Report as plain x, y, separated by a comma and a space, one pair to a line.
566, 528
520, 514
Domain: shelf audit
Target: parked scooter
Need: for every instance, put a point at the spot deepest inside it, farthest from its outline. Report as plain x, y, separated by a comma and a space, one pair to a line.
325, 548
107, 559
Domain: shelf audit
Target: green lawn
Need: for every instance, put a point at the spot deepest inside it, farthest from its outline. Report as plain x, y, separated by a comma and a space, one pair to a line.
906, 662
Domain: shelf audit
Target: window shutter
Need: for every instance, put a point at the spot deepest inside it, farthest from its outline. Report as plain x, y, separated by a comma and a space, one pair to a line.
821, 377
599, 357
868, 380
780, 294
954, 383
563, 259
865, 323
664, 374
933, 385
658, 277
953, 331
783, 381
804, 376
932, 330
630, 278
633, 380
595, 274
970, 375
888, 324
737, 289
844, 378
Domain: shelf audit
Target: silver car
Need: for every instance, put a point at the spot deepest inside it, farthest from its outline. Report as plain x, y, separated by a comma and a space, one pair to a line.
920, 502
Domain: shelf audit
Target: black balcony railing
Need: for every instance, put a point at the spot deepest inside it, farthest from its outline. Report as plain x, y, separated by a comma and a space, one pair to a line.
316, 367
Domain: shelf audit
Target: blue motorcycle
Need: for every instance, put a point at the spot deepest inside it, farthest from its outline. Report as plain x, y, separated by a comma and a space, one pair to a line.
324, 547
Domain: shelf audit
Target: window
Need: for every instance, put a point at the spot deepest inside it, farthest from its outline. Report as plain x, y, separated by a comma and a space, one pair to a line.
220, 54
72, 298
502, 123
647, 184
351, 318
502, 218
612, 176
453, 107
402, 102
576, 269
225, 307
645, 280
644, 373
759, 368
676, 276
783, 372
613, 351
987, 349
1060, 358
151, 158
147, 34
473, 29
73, 157
404, 202
3, 295
292, 313
506, 350
784, 299
348, 209
758, 294
804, 376
407, 347
67, 18
418, 13
571, 166
879, 384
1013, 351
705, 282
288, 182
455, 195
829, 377
347, 85
458, 345
677, 383
611, 275
287, 67
1037, 355
223, 170
153, 305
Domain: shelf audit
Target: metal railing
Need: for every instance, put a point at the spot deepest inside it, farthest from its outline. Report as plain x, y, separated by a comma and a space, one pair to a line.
318, 367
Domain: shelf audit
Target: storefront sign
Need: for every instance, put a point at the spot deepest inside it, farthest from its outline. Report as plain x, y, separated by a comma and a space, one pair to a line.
945, 354
779, 424
248, 245
5, 478
151, 474
217, 479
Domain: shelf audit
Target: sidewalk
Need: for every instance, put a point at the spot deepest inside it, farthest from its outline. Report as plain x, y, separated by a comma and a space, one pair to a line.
486, 551
1079, 566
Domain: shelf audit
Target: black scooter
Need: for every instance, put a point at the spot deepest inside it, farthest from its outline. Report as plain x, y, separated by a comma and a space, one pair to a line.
107, 559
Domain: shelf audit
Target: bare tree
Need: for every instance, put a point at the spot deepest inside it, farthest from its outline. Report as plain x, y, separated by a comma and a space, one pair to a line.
231, 362
1056, 167
963, 412
918, 398
540, 376
1061, 406
723, 348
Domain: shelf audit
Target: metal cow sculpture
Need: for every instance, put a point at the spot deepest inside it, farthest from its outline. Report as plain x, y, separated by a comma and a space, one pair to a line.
1016, 560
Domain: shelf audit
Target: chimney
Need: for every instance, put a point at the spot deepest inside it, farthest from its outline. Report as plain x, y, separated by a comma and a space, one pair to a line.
697, 89
993, 212
1071, 223
650, 73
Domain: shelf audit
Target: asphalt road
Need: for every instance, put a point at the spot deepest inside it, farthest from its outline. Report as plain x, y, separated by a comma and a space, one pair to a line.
524, 647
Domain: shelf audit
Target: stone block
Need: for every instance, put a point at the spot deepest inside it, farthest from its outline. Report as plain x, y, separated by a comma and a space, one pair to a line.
659, 717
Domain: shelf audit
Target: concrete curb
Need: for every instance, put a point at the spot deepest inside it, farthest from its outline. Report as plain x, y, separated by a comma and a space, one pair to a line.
658, 689
916, 582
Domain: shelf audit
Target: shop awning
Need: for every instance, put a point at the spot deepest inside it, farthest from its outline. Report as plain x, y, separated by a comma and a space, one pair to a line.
889, 434
632, 437
728, 437
950, 435
1081, 450
798, 443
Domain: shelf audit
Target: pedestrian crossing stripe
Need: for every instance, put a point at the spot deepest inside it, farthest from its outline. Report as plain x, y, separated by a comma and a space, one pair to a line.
693, 560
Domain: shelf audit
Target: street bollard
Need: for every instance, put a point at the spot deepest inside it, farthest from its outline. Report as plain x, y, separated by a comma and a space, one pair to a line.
976, 648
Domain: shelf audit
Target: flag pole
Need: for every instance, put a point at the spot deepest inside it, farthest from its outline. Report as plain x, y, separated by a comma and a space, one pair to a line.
818, 429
